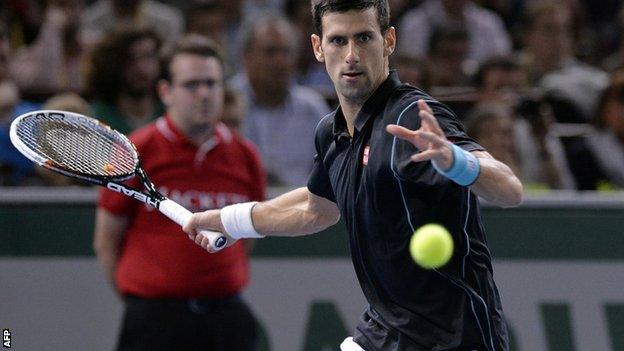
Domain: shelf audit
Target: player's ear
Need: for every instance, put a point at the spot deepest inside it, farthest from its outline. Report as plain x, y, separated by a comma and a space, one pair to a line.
318, 49
389, 41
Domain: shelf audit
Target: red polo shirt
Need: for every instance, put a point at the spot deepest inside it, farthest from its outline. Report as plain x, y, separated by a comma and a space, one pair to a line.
157, 259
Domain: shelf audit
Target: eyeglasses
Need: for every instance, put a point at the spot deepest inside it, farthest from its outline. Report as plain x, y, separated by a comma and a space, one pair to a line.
193, 85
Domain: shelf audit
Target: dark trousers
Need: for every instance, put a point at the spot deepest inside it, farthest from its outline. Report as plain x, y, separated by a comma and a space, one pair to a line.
194, 324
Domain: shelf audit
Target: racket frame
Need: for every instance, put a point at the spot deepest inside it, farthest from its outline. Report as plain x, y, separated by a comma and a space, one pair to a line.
151, 197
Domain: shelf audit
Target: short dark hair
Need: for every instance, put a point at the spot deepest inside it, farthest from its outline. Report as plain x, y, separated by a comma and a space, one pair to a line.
193, 44
320, 7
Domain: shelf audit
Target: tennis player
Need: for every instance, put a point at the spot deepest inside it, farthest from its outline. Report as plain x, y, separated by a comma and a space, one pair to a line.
389, 159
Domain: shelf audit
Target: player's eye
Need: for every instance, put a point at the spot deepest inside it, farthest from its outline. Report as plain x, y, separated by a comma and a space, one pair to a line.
364, 38
338, 41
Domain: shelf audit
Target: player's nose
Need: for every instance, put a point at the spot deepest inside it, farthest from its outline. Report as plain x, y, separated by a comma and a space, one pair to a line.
353, 56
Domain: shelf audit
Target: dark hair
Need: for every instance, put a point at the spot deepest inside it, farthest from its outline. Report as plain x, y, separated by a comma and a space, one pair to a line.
504, 63
291, 6
109, 58
193, 44
320, 7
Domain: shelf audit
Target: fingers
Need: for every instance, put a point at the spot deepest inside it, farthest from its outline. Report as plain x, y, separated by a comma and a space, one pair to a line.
428, 120
190, 228
422, 105
204, 220
203, 241
420, 139
425, 156
429, 138
400, 132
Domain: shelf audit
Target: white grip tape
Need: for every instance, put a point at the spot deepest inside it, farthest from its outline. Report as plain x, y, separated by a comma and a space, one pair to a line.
181, 215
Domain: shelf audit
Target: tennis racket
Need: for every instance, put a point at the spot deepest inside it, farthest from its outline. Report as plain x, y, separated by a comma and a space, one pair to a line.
82, 147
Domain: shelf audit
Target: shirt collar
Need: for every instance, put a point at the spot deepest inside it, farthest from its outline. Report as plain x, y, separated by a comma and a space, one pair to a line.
371, 107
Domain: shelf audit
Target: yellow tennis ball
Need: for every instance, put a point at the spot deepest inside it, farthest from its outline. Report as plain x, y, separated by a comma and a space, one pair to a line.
431, 246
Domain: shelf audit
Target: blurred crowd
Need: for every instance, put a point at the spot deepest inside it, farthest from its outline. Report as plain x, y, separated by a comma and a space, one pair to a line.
539, 83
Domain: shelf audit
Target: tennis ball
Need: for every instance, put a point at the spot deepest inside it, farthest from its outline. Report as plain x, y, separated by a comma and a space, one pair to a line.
109, 168
431, 246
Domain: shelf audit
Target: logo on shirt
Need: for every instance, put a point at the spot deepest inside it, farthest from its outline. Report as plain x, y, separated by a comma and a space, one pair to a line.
365, 155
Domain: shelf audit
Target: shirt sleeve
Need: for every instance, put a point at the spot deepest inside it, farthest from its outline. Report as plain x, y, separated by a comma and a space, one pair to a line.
319, 182
403, 150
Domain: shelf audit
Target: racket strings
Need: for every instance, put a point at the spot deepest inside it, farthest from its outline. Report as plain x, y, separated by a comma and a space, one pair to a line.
73, 146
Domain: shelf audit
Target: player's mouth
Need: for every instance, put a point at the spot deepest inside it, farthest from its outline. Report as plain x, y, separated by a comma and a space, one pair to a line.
352, 76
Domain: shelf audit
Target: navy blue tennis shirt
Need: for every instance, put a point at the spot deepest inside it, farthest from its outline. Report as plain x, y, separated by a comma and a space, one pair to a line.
383, 197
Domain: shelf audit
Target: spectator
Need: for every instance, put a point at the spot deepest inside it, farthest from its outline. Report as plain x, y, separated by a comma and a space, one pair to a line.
310, 72
282, 115
54, 62
446, 62
176, 296
122, 77
486, 33
15, 169
501, 81
606, 145
492, 126
107, 15
234, 109
207, 19
548, 57
503, 133
234, 14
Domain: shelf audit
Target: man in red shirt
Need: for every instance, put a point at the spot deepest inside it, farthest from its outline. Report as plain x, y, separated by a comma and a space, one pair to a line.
177, 296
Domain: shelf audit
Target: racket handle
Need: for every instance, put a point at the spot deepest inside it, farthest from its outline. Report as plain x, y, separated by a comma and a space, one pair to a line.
181, 215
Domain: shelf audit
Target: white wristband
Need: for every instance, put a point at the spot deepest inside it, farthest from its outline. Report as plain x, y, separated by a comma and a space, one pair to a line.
237, 221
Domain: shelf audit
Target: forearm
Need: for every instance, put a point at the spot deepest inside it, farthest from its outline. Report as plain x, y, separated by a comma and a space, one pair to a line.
107, 256
298, 212
295, 213
497, 183
107, 239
